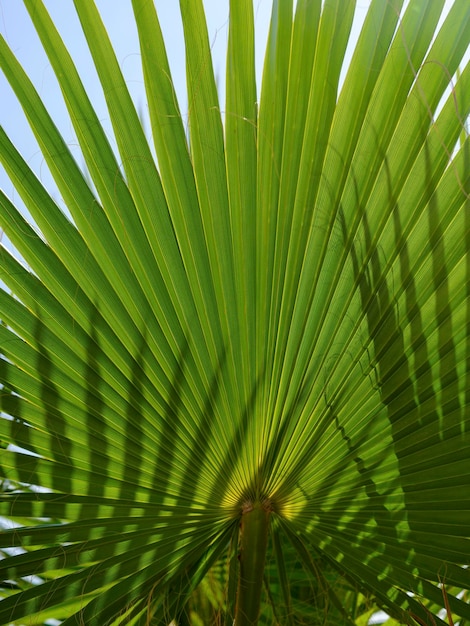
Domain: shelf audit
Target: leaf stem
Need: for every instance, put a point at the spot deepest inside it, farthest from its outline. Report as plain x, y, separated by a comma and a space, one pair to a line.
253, 543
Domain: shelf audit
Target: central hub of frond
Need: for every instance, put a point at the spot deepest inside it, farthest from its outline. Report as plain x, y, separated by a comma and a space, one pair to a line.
264, 504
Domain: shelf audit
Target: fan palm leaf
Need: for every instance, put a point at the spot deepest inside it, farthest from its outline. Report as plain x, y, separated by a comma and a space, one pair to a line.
254, 342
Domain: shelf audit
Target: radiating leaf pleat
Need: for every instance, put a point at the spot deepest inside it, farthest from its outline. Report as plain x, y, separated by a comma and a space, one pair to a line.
240, 121
270, 141
208, 158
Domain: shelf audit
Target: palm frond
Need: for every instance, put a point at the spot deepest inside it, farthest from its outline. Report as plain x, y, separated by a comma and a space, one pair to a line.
270, 316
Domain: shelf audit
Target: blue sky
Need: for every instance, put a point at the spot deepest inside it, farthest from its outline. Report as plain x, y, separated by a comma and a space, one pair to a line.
16, 27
